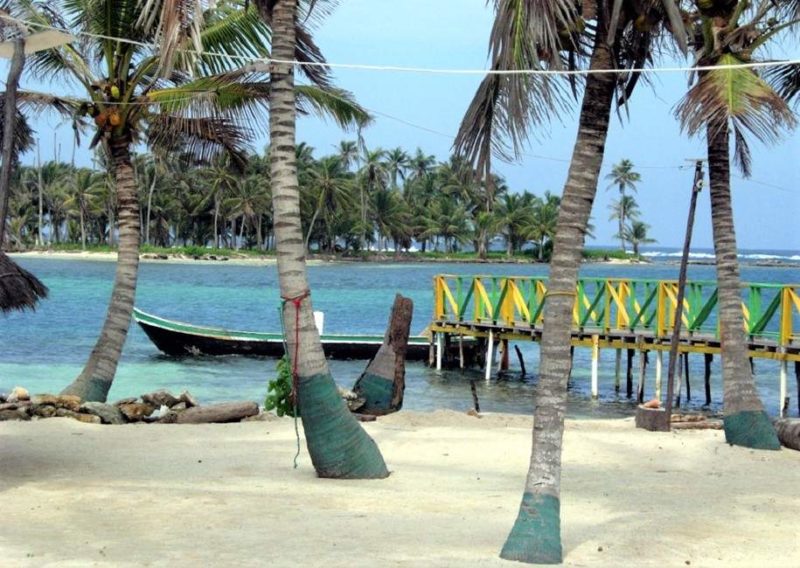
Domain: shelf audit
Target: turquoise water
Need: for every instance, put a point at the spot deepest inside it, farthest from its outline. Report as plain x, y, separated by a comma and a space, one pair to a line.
45, 350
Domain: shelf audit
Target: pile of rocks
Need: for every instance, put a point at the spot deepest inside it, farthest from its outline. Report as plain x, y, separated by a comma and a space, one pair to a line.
160, 406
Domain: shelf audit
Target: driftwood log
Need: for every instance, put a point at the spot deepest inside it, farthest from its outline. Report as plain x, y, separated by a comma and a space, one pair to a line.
383, 382
225, 412
788, 432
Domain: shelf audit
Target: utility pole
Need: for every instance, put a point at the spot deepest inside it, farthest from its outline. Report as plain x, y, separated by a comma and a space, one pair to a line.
697, 186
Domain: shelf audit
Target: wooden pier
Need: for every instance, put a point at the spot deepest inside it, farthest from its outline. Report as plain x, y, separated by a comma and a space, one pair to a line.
627, 315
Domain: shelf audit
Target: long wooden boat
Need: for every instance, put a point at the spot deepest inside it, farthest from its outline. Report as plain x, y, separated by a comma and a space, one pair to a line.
180, 339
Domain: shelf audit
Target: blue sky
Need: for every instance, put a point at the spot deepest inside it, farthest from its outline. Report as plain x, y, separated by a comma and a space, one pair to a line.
453, 34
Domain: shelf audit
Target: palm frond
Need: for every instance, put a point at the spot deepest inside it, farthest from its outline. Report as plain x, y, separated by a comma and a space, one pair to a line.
236, 96
525, 35
235, 32
738, 95
785, 79
175, 23
201, 139
333, 103
41, 102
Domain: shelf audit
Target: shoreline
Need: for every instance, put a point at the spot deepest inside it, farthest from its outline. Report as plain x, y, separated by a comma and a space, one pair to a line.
228, 494
314, 259
319, 259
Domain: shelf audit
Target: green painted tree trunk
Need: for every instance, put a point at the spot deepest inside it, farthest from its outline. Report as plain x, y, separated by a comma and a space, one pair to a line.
338, 445
536, 535
95, 380
746, 423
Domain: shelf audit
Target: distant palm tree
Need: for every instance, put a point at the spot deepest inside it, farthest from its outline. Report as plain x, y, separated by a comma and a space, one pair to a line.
542, 227
397, 161
348, 153
636, 235
83, 187
624, 208
623, 178
331, 190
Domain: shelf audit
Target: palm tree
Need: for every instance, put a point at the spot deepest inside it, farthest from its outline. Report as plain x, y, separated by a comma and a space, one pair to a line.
372, 175
624, 208
542, 226
330, 190
533, 35
514, 213
338, 445
397, 160
623, 177
84, 186
348, 153
738, 100
130, 92
636, 235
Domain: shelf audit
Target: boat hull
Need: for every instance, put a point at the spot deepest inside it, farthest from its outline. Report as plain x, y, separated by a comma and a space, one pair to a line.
178, 339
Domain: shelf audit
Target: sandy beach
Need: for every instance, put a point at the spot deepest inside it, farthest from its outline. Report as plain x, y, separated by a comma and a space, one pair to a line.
227, 495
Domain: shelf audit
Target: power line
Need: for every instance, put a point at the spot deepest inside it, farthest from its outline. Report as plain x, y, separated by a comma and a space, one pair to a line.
421, 70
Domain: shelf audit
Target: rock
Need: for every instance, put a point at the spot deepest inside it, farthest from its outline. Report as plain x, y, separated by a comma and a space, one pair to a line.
187, 397
108, 413
136, 411
261, 417
179, 406
40, 399
128, 400
473, 412
17, 414
160, 398
45, 411
18, 394
15, 405
69, 401
3, 397
87, 418
169, 417
654, 403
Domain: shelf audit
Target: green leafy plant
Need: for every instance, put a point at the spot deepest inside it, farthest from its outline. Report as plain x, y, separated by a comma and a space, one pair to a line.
279, 390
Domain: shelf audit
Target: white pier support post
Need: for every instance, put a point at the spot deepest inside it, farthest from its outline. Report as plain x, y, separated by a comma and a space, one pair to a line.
783, 403
659, 370
489, 355
595, 366
439, 350
617, 367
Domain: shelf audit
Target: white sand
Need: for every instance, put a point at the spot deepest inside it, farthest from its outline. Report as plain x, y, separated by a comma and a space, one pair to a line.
226, 495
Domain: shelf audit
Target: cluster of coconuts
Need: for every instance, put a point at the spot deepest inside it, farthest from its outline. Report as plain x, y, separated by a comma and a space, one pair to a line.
106, 119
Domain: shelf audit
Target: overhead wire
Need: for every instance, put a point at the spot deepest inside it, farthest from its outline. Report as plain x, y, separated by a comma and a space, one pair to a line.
424, 70
419, 70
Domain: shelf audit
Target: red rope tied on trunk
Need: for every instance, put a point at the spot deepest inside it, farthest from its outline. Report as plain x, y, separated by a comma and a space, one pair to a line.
296, 301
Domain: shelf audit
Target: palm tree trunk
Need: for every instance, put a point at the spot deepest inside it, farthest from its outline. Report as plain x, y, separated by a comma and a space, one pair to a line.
149, 207
82, 210
746, 422
621, 219
95, 380
10, 120
536, 535
338, 445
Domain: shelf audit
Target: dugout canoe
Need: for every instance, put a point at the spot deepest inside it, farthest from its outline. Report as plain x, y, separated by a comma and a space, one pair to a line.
180, 339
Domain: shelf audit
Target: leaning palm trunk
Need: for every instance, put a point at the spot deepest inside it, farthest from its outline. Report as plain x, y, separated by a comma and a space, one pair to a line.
95, 380
536, 535
746, 423
9, 132
338, 446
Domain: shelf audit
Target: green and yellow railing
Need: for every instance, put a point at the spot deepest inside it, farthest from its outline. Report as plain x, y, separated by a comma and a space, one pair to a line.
607, 305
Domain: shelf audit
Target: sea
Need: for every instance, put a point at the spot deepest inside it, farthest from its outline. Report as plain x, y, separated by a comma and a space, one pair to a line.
45, 350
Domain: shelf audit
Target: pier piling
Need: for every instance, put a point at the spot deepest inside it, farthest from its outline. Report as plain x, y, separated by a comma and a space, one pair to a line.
629, 375
709, 358
595, 366
659, 371
783, 400
617, 367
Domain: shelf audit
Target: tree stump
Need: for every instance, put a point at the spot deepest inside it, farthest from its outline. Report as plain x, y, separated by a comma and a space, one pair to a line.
383, 382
